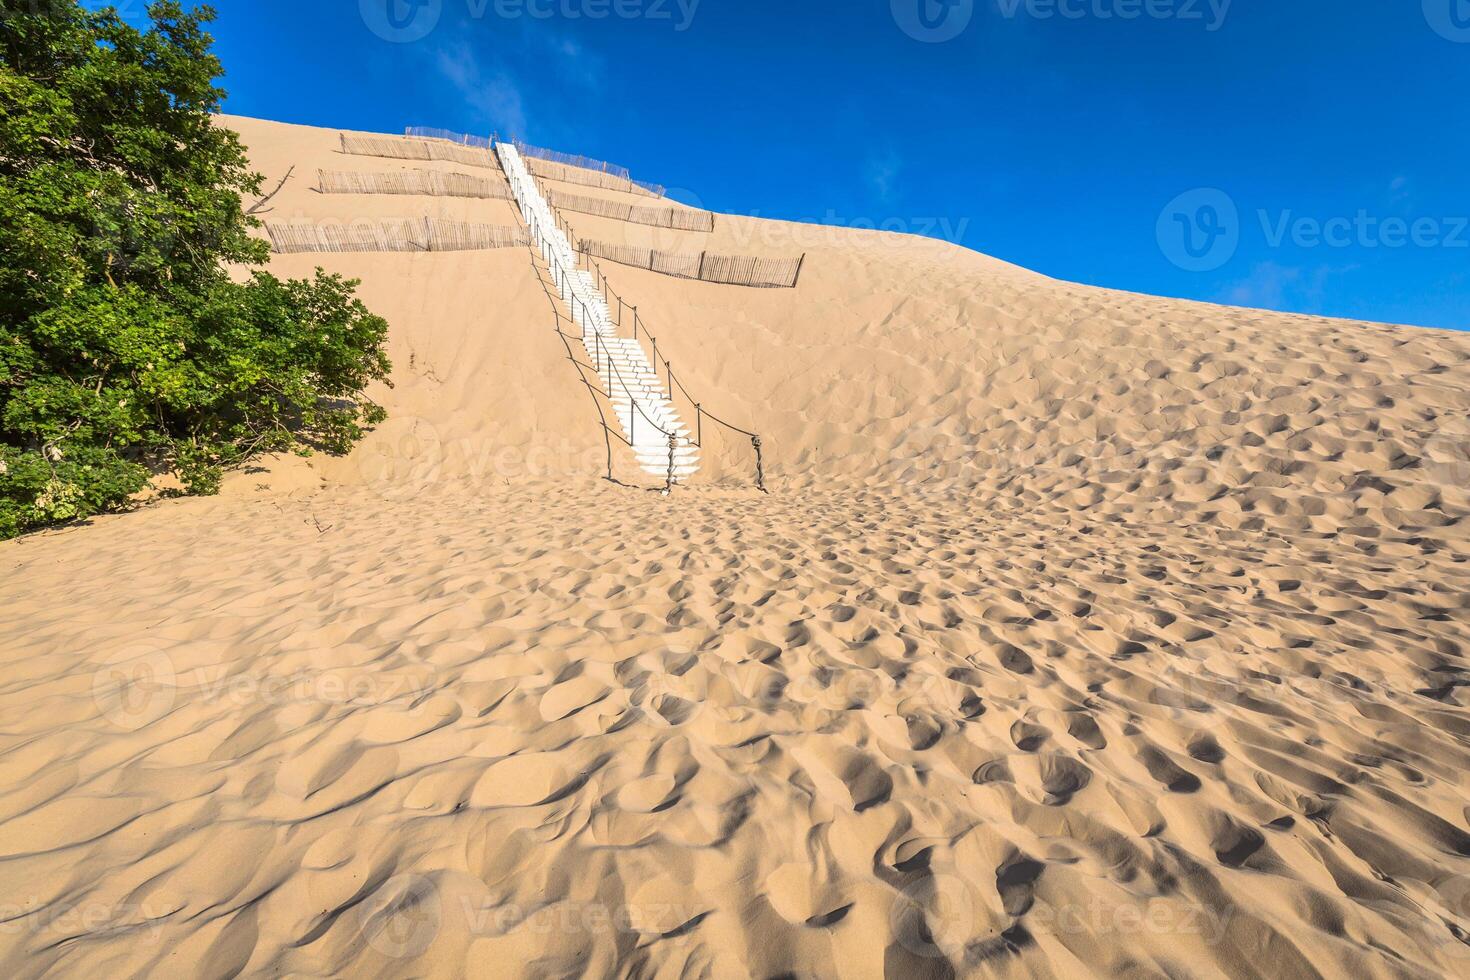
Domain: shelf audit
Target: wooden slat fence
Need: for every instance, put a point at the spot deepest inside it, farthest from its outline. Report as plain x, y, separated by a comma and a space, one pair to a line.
429, 182
400, 148
415, 235
464, 139
573, 160
733, 270
586, 178
683, 219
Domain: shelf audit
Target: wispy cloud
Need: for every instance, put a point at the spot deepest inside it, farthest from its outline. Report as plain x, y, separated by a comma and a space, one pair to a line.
1400, 191
493, 94
1271, 286
882, 174
576, 64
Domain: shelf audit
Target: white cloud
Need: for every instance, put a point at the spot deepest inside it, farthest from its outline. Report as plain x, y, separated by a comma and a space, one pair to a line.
494, 95
1271, 286
883, 172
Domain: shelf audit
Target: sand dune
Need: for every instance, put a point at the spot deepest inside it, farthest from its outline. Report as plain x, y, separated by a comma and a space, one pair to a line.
1083, 633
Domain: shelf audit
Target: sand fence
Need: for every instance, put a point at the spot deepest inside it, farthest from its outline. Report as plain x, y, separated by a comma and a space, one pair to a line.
683, 219
587, 178
427, 182
402, 148
621, 175
464, 139
731, 270
408, 235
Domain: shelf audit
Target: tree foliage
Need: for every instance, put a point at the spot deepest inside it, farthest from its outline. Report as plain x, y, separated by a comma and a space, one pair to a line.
126, 348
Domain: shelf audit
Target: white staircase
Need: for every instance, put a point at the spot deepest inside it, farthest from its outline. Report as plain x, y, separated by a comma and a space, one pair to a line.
642, 406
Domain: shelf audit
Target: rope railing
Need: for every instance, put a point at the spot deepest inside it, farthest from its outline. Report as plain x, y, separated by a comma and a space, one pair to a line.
608, 432
640, 330
523, 185
561, 279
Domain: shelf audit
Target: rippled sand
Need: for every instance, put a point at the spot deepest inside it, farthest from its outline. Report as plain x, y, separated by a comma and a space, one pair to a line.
1081, 634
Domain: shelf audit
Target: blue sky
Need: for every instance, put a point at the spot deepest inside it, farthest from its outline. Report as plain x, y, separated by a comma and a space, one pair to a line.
1305, 155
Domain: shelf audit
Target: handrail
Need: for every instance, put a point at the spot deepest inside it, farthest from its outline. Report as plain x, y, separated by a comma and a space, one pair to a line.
638, 325
564, 226
700, 413
593, 391
566, 288
602, 347
556, 270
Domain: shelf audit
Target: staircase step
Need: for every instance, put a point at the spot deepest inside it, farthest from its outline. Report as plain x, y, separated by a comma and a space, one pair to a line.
630, 380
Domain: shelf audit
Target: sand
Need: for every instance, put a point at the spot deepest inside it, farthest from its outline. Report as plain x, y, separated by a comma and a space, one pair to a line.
1082, 634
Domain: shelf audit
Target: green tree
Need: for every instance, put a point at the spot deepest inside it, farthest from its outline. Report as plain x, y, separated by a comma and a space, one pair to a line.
126, 348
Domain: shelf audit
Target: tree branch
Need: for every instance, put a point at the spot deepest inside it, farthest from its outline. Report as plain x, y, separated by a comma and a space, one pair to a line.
255, 208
